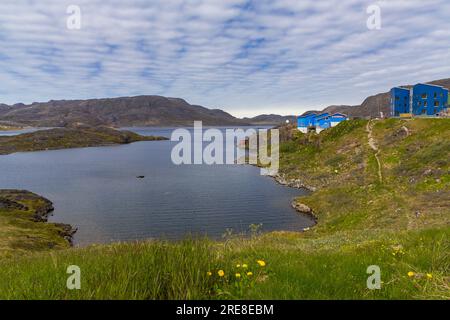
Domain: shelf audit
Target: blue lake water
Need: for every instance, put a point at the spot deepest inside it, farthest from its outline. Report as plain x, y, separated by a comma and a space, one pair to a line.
96, 190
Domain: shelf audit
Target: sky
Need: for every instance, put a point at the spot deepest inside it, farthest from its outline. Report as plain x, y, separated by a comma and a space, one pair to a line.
246, 57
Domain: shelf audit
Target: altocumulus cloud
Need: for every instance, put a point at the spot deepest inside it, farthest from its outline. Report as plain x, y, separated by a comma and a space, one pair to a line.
247, 57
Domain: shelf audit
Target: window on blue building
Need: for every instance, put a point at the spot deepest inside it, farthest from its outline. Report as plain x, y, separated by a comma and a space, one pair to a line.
424, 96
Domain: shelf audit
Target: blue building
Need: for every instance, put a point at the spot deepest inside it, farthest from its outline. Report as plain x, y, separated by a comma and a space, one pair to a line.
400, 101
421, 100
319, 122
322, 122
306, 122
429, 100
337, 118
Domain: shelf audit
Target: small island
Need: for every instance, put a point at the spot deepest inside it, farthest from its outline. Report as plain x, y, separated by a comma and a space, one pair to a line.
70, 137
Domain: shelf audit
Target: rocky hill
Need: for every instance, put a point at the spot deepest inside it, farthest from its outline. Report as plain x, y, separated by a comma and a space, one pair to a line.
117, 112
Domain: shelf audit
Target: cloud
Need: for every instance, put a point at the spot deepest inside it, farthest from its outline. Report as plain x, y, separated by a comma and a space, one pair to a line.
247, 57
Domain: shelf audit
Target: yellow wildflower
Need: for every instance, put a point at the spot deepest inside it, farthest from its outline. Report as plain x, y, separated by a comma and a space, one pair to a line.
429, 276
245, 266
238, 266
249, 274
221, 273
261, 263
238, 275
209, 273
411, 274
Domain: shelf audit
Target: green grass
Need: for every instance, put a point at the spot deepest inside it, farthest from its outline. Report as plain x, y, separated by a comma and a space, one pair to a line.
19, 233
401, 225
297, 268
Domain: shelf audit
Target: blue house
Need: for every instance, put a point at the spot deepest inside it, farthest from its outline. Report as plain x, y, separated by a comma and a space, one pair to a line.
306, 121
337, 118
400, 101
421, 100
319, 122
322, 122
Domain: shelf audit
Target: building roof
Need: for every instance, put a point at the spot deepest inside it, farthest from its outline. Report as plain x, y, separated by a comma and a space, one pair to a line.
401, 88
323, 115
309, 115
431, 85
339, 114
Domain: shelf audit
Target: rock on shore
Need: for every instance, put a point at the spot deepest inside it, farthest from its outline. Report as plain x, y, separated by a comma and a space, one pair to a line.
293, 183
304, 209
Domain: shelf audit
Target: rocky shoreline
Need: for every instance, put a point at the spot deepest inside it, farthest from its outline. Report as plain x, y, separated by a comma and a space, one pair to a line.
298, 184
41, 210
293, 183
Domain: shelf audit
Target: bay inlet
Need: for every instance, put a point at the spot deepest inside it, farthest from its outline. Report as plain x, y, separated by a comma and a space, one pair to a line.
97, 191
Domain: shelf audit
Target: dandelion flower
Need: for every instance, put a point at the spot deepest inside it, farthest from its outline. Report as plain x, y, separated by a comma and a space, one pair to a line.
221, 273
238, 275
429, 276
209, 273
245, 266
411, 274
238, 266
249, 274
261, 263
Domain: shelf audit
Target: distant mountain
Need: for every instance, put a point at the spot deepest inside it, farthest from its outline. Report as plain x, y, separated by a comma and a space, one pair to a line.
160, 111
117, 112
270, 119
373, 105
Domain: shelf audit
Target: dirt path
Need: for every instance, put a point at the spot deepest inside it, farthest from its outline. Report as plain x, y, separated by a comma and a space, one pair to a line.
373, 145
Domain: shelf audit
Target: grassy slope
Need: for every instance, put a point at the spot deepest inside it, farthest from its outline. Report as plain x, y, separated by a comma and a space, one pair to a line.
19, 233
361, 222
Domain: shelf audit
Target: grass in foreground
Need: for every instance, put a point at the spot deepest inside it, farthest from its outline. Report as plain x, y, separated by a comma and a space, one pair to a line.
295, 268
